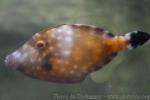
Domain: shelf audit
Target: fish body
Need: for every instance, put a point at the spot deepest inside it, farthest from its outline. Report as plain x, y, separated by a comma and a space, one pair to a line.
68, 53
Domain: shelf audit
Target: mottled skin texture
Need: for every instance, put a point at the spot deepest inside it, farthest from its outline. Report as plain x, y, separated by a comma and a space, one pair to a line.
67, 53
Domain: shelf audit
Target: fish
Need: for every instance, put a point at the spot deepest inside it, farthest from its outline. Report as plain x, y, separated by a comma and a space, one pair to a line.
69, 53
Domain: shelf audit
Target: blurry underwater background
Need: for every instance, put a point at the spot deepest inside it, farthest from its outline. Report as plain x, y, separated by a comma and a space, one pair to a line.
127, 74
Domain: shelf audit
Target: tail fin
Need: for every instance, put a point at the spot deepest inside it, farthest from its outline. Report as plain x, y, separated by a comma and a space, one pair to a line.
137, 38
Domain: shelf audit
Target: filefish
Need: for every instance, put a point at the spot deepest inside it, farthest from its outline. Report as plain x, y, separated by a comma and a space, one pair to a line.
68, 53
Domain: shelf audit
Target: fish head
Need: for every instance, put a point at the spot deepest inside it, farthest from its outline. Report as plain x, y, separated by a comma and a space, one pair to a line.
31, 55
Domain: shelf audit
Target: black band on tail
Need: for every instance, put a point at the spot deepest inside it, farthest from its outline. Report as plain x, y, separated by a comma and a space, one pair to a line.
137, 38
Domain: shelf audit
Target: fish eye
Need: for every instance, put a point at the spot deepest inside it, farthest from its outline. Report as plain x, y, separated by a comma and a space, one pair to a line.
40, 44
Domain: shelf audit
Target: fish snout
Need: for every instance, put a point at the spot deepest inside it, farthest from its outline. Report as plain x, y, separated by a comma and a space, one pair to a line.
13, 60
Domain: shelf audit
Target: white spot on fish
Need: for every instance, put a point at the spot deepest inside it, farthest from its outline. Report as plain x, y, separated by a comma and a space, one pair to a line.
17, 55
75, 66
59, 30
56, 54
24, 55
128, 36
66, 53
69, 32
84, 69
39, 59
32, 60
37, 35
25, 46
52, 35
62, 69
65, 37
59, 37
68, 39
71, 72
51, 48
66, 62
